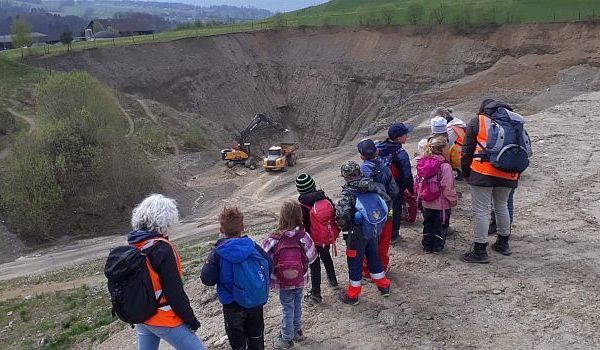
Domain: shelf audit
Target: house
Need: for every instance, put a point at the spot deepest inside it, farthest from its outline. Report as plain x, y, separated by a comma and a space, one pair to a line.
107, 28
6, 40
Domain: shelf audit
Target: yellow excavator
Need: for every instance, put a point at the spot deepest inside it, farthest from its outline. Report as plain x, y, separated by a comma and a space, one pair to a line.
241, 153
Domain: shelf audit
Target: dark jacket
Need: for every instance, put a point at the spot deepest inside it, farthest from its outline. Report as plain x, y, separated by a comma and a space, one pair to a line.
218, 268
344, 210
309, 199
162, 259
401, 161
381, 174
468, 150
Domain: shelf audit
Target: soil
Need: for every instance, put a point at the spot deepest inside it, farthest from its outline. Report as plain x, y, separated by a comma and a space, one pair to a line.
332, 86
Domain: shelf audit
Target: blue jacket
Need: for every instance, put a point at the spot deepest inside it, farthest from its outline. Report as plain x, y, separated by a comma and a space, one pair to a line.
380, 172
218, 268
401, 161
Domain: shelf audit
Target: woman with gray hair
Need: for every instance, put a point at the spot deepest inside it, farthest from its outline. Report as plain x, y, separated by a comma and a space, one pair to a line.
174, 320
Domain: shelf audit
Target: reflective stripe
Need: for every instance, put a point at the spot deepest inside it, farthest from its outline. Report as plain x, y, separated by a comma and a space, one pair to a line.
377, 276
148, 244
165, 308
355, 283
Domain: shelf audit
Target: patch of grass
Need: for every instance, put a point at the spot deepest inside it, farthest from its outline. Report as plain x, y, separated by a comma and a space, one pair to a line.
194, 138
15, 76
153, 138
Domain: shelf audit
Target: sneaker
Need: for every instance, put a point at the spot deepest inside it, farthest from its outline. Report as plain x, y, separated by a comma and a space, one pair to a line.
312, 299
501, 245
344, 298
477, 255
299, 336
279, 343
333, 284
385, 292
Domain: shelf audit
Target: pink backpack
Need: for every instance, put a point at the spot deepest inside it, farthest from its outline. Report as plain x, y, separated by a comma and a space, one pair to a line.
427, 181
290, 260
323, 228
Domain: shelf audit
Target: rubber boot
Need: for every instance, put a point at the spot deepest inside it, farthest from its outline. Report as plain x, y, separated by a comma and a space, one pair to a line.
502, 246
350, 295
383, 284
477, 255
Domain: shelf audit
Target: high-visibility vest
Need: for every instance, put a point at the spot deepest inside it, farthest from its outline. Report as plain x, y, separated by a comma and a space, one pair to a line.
460, 134
455, 151
165, 316
482, 165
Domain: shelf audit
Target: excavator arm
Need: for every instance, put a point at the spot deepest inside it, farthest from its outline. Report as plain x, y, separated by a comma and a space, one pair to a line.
254, 126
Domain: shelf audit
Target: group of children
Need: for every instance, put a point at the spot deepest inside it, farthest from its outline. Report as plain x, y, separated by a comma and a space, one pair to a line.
368, 213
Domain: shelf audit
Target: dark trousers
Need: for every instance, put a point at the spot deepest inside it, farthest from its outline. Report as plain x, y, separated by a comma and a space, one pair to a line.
435, 229
356, 250
315, 269
244, 327
397, 215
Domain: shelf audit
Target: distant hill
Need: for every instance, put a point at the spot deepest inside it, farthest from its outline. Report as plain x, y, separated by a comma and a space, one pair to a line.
272, 5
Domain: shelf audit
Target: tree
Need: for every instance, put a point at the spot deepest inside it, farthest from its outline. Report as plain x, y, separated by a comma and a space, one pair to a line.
415, 12
20, 33
66, 38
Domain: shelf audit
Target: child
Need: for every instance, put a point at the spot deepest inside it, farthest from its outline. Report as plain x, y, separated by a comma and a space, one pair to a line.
242, 311
435, 188
364, 226
292, 250
318, 215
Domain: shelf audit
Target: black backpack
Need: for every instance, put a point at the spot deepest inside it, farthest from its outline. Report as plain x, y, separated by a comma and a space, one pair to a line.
130, 286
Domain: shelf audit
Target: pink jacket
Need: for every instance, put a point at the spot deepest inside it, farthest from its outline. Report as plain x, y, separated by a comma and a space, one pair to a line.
448, 188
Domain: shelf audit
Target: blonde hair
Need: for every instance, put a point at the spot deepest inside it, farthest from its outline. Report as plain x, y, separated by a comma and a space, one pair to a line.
155, 213
290, 216
436, 145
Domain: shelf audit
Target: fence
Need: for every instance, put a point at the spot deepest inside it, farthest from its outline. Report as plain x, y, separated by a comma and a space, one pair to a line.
381, 17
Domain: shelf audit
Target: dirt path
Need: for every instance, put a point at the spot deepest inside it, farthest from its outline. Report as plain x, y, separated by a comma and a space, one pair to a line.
148, 111
129, 120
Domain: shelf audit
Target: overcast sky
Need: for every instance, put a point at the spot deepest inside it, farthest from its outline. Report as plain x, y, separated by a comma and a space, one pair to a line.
273, 5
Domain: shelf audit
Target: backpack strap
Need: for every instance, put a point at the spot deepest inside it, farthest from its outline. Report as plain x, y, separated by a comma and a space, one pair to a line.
147, 245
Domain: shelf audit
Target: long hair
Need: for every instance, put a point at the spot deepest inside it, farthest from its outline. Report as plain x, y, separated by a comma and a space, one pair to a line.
436, 145
155, 213
290, 216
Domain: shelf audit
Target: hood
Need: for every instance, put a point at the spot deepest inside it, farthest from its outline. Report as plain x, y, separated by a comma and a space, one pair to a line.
368, 166
288, 233
457, 122
312, 197
142, 235
360, 185
491, 106
388, 147
235, 250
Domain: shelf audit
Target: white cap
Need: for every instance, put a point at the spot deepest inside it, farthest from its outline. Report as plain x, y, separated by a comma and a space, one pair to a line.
438, 125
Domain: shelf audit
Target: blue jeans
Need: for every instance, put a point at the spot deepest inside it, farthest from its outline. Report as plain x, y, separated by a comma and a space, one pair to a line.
291, 303
181, 337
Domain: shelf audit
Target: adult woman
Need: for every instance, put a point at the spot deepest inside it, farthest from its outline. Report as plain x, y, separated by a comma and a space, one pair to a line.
174, 320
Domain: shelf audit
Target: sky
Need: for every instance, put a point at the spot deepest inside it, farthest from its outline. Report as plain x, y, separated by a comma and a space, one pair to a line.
273, 5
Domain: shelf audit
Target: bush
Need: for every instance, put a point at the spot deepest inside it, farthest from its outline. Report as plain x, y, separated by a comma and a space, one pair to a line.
8, 124
77, 173
154, 139
415, 12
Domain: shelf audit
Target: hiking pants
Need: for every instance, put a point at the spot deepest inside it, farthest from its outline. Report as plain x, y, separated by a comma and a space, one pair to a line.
383, 247
180, 337
244, 327
397, 216
357, 250
291, 304
511, 209
481, 198
315, 269
435, 229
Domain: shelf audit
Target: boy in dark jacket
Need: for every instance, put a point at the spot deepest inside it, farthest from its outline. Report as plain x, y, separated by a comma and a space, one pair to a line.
309, 195
244, 327
401, 169
358, 246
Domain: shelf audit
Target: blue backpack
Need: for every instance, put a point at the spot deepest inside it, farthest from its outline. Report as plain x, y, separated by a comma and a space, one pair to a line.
251, 281
508, 146
371, 214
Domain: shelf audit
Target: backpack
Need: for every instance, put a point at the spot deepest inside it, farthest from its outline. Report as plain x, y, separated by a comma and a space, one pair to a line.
251, 281
323, 228
373, 214
290, 260
508, 146
129, 284
427, 182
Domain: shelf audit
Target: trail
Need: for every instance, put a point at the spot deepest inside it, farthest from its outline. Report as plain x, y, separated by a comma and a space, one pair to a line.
129, 120
32, 125
152, 116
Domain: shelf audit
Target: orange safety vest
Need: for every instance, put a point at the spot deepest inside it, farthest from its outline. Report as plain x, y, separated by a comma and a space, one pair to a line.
165, 316
482, 166
460, 134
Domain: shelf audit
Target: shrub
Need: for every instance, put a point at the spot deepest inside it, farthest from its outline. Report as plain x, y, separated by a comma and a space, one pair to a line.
8, 124
415, 12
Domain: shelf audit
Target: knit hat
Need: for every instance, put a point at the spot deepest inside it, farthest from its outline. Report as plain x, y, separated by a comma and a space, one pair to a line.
305, 184
399, 129
367, 148
438, 125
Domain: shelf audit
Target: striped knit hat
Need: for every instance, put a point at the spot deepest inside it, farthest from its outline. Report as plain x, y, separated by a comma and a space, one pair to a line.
305, 184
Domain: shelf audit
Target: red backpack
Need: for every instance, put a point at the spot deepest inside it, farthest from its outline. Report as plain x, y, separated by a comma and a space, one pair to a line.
290, 260
323, 228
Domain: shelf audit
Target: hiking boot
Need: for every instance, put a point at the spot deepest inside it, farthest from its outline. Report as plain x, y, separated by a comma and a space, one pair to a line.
477, 255
279, 343
344, 298
333, 284
312, 299
299, 336
385, 292
501, 245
